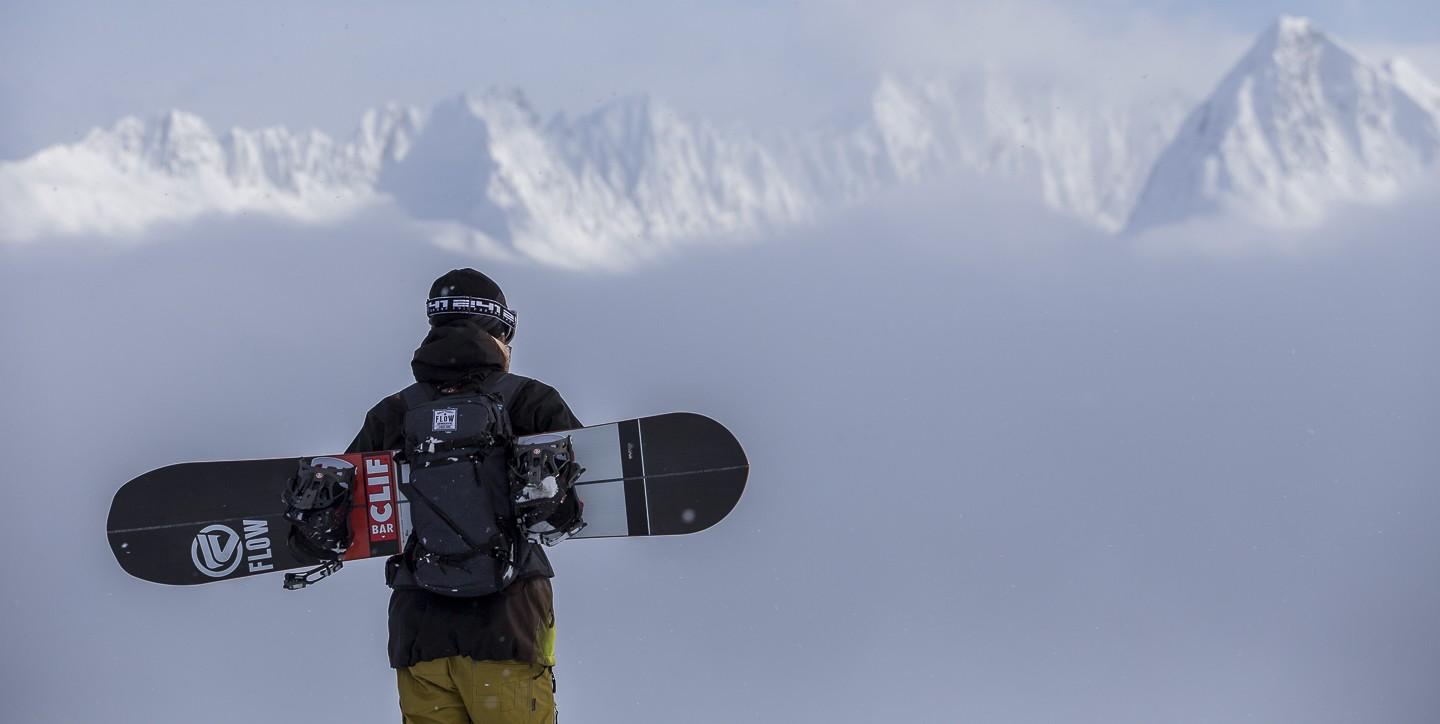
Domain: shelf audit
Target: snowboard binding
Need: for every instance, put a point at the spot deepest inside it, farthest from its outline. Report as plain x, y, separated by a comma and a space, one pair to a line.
542, 481
317, 502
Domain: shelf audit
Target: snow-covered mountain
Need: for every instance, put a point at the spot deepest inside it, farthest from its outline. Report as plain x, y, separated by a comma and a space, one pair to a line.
621, 183
612, 186
172, 168
1085, 154
1298, 125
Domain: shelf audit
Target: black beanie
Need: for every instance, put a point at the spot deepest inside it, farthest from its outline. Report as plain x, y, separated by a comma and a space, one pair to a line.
465, 291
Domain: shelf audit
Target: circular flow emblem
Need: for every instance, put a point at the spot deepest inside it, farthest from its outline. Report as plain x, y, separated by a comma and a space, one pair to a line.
216, 551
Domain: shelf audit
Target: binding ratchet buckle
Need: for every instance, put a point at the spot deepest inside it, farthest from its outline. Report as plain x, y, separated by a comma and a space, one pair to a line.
297, 581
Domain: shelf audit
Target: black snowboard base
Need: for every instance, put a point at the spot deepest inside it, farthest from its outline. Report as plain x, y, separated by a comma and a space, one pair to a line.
200, 522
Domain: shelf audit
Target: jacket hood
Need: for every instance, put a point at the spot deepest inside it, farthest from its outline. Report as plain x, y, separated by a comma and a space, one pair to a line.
458, 350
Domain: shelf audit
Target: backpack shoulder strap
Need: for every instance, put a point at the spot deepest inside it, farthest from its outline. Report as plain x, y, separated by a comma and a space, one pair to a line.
504, 384
417, 394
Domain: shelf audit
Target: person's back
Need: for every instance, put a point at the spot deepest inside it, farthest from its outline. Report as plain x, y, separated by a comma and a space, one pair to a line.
487, 658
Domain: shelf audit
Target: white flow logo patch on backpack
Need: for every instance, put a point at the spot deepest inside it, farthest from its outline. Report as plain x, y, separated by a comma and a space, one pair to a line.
444, 420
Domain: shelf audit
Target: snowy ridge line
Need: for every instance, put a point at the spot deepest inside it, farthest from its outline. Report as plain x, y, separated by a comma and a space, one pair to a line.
1299, 124
631, 180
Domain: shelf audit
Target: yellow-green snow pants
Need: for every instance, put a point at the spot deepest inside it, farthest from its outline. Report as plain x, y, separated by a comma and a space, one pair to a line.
461, 690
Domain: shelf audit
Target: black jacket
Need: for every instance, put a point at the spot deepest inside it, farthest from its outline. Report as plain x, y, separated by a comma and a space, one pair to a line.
505, 626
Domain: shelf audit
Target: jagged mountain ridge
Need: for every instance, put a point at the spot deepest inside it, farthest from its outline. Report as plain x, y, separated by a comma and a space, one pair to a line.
623, 182
615, 184
121, 180
1087, 156
1300, 124
636, 177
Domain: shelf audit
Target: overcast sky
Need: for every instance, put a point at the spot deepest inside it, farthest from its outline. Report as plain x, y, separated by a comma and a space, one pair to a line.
68, 66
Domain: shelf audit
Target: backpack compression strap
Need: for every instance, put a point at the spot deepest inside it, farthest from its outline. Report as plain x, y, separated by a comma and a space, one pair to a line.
504, 384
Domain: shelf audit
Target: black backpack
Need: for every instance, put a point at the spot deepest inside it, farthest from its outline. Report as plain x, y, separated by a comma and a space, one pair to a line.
465, 538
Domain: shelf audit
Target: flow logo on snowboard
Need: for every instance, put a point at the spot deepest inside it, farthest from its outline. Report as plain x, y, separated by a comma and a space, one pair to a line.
217, 550
444, 420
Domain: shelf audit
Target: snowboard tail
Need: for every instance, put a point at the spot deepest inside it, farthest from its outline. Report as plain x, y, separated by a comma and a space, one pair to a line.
201, 522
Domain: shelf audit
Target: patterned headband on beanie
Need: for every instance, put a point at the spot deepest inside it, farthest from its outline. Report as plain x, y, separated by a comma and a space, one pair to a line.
468, 294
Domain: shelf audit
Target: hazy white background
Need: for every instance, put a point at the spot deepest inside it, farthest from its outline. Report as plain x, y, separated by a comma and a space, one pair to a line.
1005, 468
1001, 473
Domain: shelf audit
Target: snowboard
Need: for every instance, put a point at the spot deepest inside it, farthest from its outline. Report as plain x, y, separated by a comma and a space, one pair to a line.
201, 522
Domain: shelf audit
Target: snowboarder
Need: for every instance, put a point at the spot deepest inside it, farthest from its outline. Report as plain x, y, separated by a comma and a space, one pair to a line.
484, 658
